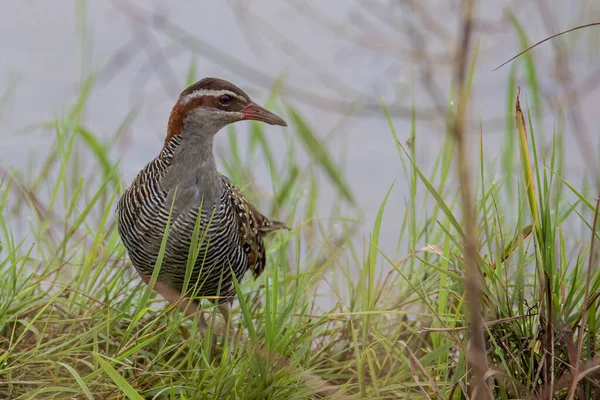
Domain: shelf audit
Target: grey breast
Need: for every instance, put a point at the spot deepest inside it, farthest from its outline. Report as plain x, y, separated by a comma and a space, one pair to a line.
143, 213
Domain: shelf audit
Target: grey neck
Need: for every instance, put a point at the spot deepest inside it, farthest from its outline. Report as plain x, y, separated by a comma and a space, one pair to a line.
193, 169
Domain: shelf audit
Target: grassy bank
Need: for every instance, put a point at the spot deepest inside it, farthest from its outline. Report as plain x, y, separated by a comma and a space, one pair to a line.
75, 322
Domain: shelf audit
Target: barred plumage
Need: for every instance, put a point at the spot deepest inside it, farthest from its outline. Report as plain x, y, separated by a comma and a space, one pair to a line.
230, 235
182, 189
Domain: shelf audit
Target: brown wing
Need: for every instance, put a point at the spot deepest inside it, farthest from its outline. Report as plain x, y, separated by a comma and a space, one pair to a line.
252, 227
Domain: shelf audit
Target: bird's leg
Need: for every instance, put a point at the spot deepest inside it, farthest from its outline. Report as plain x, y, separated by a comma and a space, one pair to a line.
185, 304
225, 310
189, 307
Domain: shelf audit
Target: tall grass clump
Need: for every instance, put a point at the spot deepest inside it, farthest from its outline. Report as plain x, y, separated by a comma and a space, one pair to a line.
76, 322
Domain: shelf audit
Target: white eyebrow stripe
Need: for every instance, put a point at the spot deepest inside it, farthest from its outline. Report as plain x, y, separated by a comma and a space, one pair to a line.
214, 93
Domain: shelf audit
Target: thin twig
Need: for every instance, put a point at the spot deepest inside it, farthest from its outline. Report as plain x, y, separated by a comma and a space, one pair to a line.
545, 40
576, 374
476, 351
229, 62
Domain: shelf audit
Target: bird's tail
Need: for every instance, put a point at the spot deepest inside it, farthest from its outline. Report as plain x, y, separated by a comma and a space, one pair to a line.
272, 226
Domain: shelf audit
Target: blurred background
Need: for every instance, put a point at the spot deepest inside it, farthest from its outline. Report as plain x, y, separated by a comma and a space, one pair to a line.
335, 61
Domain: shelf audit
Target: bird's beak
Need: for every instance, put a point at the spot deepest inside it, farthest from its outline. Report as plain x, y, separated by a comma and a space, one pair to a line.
257, 113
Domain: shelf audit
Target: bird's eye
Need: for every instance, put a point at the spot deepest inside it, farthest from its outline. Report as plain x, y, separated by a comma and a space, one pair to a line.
225, 100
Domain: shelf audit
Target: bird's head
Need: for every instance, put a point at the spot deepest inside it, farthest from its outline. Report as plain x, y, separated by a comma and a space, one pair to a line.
210, 104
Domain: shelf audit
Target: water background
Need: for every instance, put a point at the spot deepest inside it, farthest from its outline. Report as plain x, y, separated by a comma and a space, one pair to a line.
367, 54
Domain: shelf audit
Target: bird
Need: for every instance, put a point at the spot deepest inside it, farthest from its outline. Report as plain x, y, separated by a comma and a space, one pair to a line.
181, 194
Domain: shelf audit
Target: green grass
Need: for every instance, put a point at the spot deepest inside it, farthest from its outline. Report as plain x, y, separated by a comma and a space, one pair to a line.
75, 321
